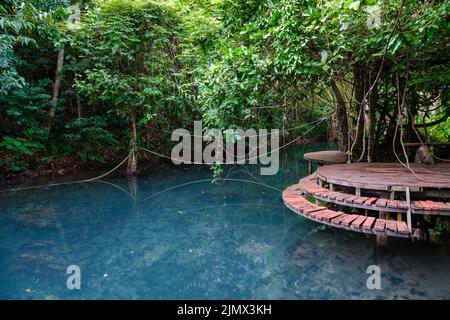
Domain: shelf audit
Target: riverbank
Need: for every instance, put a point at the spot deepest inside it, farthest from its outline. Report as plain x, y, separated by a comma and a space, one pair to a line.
73, 165
66, 164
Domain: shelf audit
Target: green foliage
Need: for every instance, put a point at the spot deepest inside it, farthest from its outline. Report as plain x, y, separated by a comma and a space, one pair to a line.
439, 132
20, 146
90, 137
132, 68
18, 150
442, 229
26, 108
231, 63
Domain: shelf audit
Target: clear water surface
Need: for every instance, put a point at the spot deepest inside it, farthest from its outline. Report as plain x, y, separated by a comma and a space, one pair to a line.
198, 240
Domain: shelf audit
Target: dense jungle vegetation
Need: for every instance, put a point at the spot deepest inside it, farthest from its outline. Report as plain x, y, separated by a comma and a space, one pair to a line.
88, 81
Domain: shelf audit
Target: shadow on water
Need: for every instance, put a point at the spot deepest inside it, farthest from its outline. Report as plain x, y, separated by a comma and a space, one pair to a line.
230, 239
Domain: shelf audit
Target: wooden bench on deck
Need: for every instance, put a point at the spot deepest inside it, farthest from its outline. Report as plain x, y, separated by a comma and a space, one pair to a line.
324, 157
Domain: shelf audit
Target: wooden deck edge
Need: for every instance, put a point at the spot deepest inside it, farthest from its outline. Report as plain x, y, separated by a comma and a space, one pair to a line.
301, 206
320, 194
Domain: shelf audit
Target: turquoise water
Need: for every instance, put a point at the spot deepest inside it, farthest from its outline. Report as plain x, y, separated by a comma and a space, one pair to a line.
229, 240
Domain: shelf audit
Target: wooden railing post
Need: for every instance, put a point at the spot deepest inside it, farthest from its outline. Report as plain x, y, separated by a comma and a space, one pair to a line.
408, 213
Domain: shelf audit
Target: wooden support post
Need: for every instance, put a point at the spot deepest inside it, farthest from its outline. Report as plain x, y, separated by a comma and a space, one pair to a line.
309, 167
331, 187
320, 182
382, 240
358, 192
408, 213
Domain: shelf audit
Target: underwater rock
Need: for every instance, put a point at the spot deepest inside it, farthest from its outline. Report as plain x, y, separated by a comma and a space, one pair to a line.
303, 255
39, 262
255, 251
41, 243
155, 254
41, 216
274, 288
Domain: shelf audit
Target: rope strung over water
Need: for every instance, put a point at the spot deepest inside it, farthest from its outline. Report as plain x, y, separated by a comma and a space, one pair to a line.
97, 178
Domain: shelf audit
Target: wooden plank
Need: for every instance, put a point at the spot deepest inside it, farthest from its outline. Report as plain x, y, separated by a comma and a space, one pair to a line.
350, 199
290, 194
367, 225
322, 194
392, 204
347, 221
402, 227
391, 225
416, 205
339, 219
381, 203
313, 214
402, 205
323, 214
379, 226
297, 199
298, 209
332, 195
342, 196
361, 200
370, 201
331, 215
441, 206
432, 205
299, 206
313, 209
357, 223
426, 205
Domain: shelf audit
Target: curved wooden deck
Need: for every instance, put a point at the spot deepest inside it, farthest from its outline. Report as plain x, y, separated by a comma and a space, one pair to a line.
387, 176
372, 188
309, 186
295, 201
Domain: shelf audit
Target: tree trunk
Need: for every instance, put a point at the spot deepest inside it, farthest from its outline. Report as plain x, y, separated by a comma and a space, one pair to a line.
367, 102
340, 125
132, 161
79, 107
57, 84
360, 89
372, 106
